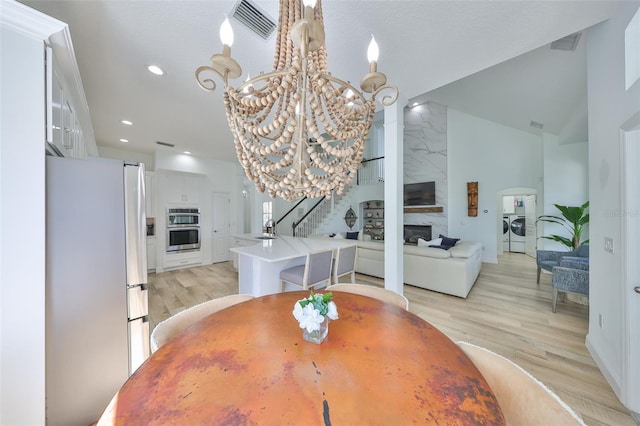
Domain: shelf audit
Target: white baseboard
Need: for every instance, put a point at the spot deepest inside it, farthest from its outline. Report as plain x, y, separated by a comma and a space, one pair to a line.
615, 385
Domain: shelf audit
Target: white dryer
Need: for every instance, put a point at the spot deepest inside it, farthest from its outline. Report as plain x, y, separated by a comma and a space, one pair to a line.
505, 233
517, 231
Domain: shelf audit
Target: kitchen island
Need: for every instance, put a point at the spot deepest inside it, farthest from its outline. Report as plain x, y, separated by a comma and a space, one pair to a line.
259, 265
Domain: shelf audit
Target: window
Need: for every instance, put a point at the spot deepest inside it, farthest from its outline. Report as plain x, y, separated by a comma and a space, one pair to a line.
267, 212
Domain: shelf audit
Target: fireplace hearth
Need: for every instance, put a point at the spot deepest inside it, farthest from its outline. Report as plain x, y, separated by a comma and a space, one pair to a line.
413, 232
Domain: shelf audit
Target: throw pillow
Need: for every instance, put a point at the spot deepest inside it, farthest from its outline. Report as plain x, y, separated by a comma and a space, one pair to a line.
446, 241
339, 236
352, 235
443, 247
425, 243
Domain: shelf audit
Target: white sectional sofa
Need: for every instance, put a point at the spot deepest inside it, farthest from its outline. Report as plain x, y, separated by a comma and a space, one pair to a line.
452, 271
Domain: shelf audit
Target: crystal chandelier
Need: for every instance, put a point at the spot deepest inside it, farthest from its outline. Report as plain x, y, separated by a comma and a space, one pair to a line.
298, 130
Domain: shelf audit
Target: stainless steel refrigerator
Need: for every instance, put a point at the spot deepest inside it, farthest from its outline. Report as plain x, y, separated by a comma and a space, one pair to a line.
97, 329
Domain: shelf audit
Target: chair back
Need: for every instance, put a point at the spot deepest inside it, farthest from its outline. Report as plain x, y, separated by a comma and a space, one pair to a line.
372, 291
582, 251
523, 399
169, 328
318, 267
345, 260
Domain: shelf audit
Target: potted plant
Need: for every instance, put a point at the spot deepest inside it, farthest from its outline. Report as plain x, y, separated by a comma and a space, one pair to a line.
573, 219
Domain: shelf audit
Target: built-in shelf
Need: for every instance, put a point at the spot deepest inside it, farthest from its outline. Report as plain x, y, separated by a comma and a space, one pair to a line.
423, 209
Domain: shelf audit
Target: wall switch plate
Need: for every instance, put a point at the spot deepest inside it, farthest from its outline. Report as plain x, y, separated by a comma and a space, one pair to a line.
608, 244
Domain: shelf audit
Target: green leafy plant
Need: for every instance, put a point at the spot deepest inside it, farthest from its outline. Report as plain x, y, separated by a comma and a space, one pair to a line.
573, 220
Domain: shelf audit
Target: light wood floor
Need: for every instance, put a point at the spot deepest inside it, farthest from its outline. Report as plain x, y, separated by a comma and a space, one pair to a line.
505, 312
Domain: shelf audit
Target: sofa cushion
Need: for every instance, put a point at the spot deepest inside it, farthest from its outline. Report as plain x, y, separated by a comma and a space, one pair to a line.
372, 245
465, 249
426, 251
352, 235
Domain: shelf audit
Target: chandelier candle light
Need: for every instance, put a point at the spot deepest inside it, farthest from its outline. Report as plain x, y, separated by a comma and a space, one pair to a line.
298, 131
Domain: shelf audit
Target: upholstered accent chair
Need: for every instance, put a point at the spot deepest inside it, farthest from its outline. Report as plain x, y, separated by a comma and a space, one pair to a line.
571, 275
315, 271
169, 328
547, 259
523, 399
345, 263
374, 292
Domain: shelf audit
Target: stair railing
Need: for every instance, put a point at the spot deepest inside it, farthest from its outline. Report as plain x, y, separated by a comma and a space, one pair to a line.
306, 224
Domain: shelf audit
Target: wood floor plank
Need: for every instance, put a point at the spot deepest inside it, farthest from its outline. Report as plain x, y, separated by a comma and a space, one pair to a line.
506, 312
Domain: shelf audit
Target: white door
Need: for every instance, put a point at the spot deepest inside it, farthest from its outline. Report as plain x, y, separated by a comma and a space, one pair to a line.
530, 225
220, 228
630, 153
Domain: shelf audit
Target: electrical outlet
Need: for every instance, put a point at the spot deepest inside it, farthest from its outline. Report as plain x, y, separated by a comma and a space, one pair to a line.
608, 244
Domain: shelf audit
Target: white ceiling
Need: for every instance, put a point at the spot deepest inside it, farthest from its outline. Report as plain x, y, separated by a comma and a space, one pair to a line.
424, 45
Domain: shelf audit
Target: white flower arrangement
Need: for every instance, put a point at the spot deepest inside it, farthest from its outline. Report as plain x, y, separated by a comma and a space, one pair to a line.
311, 311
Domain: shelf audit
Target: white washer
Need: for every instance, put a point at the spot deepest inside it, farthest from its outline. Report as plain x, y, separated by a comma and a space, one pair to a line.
517, 231
505, 233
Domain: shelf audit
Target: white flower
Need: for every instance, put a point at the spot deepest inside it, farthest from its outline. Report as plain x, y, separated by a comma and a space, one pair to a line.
297, 312
311, 318
333, 310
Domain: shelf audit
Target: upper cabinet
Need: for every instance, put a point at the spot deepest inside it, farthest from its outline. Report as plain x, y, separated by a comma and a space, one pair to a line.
68, 126
183, 188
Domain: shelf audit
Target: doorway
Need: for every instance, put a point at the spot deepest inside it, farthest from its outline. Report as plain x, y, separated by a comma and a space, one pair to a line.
517, 208
220, 227
630, 213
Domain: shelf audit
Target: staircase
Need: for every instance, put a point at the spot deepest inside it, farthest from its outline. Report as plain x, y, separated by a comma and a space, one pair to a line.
329, 209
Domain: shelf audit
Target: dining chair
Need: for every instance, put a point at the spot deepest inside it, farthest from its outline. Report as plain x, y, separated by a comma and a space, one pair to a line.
345, 263
316, 270
524, 400
372, 291
169, 328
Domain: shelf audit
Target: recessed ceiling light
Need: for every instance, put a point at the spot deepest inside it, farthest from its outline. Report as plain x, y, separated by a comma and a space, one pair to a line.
187, 152
127, 122
415, 104
155, 69
124, 140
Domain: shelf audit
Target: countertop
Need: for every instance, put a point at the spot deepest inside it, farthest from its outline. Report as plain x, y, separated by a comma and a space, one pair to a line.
284, 247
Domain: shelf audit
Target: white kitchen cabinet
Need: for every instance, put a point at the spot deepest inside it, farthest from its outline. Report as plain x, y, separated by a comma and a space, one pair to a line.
182, 260
151, 254
240, 241
149, 183
183, 188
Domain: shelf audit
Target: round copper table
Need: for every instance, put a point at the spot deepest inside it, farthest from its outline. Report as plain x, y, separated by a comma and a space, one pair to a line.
248, 364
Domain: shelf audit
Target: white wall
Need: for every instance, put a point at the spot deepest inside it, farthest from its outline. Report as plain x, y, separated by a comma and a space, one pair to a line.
22, 226
119, 154
495, 156
609, 107
566, 182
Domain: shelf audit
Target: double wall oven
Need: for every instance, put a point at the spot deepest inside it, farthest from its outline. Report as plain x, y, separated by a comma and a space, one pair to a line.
183, 229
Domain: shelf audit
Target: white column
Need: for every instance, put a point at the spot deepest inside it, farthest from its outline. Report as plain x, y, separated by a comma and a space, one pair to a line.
393, 208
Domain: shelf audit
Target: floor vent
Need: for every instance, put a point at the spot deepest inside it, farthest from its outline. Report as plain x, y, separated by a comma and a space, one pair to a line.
254, 18
569, 42
165, 144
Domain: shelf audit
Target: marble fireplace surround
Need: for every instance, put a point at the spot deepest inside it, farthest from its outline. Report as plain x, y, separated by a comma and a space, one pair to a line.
413, 232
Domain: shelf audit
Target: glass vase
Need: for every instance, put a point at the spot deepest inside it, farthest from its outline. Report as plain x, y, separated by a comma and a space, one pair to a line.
317, 336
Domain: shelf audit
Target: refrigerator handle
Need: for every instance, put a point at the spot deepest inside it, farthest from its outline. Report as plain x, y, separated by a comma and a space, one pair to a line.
135, 224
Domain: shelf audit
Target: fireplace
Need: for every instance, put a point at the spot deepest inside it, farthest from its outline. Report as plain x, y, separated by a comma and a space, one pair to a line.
413, 232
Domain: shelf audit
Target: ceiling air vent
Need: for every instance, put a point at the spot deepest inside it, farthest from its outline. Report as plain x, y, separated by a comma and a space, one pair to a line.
170, 145
254, 18
536, 125
569, 42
